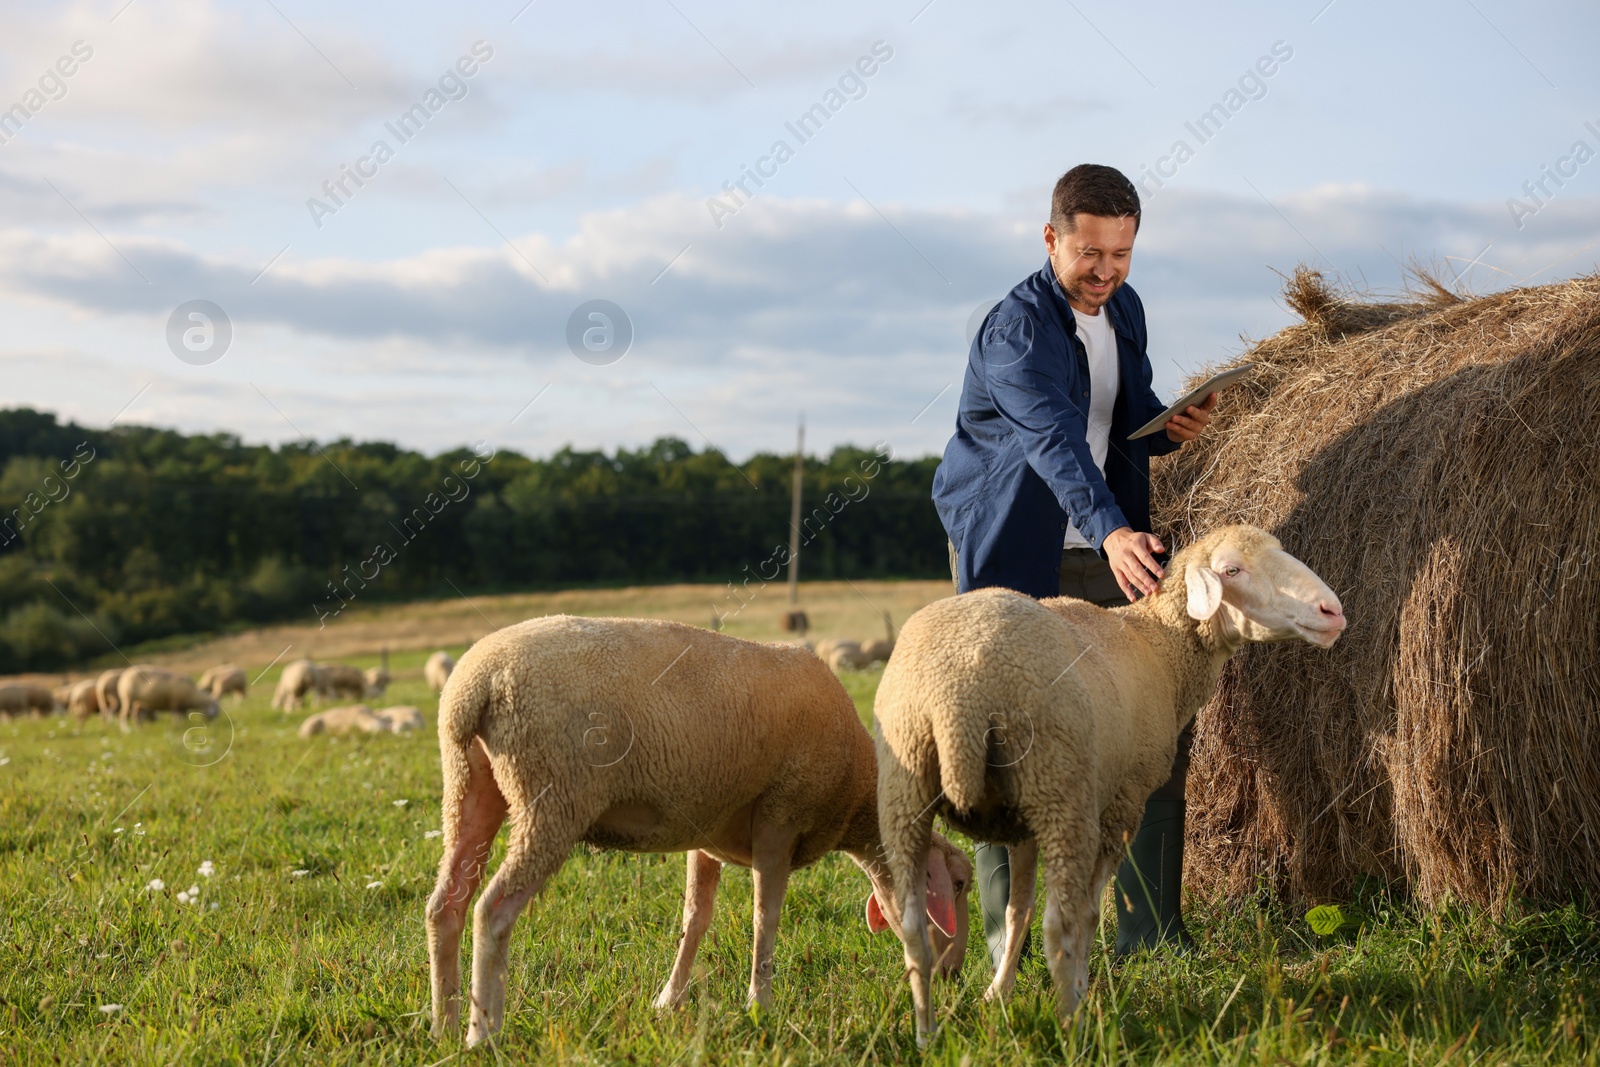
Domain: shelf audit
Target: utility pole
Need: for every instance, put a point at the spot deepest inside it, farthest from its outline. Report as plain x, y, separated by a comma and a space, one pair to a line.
794, 514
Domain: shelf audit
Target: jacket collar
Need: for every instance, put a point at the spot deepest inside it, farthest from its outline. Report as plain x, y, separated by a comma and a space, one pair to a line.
1113, 306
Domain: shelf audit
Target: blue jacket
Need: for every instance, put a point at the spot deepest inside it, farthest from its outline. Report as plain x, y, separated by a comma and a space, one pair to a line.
1019, 464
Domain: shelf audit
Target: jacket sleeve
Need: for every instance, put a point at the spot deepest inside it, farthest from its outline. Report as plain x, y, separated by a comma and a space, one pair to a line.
1025, 368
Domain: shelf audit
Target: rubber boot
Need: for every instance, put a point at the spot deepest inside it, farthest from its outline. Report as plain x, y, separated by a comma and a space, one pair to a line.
992, 864
1148, 907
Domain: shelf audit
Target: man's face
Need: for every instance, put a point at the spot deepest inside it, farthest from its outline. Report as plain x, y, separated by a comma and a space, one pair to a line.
1092, 260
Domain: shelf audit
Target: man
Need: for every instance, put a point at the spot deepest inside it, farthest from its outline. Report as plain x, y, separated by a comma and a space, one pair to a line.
1041, 491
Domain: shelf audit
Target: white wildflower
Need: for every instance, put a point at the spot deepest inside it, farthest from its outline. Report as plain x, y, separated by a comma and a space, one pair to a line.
301, 873
206, 869
213, 905
118, 830
110, 1008
432, 833
401, 803
156, 885
183, 898
374, 885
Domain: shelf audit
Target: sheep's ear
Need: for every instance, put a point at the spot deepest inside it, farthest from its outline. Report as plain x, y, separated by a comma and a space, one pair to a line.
1205, 591
876, 923
940, 903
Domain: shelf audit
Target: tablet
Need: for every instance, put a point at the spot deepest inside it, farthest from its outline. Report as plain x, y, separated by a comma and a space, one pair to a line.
1194, 396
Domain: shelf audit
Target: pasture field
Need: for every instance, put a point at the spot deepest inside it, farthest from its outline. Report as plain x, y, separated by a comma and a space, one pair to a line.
304, 943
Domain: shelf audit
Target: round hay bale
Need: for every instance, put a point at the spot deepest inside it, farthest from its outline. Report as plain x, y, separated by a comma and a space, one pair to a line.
1437, 462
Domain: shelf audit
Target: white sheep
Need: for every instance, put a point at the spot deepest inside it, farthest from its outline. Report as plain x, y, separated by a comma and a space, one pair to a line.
339, 680
82, 701
877, 651
652, 736
298, 680
1046, 725
105, 691
356, 718
437, 670
21, 698
223, 679
402, 718
377, 679
143, 690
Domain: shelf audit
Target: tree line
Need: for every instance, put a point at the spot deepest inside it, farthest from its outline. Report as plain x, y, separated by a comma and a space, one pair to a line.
130, 534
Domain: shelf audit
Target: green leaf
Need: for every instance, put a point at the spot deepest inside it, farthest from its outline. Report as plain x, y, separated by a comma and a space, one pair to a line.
1326, 919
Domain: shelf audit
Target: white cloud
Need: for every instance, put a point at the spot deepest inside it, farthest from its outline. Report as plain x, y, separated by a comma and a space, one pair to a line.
792, 304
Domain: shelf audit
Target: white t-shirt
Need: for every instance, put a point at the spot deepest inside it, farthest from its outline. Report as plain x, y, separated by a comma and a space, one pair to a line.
1096, 334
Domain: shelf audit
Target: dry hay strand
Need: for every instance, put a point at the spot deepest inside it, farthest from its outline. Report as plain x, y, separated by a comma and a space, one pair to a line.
1435, 460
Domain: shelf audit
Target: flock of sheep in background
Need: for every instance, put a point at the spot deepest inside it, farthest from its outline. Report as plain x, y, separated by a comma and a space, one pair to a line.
132, 695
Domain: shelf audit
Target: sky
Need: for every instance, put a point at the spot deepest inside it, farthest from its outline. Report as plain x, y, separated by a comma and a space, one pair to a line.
399, 219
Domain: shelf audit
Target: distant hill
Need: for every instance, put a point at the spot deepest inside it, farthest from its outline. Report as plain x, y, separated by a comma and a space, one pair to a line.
112, 536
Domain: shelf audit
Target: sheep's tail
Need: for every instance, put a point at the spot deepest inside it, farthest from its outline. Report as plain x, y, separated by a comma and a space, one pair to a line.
963, 748
462, 704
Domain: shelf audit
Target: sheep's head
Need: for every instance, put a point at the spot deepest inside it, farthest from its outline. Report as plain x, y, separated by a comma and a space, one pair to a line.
1242, 577
949, 880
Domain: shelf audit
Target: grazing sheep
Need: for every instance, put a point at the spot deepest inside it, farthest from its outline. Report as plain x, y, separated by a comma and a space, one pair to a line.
402, 718
652, 736
298, 679
339, 680
824, 648
223, 679
105, 691
21, 698
60, 695
356, 718
1045, 725
877, 651
377, 679
843, 655
437, 670
82, 701
846, 656
142, 691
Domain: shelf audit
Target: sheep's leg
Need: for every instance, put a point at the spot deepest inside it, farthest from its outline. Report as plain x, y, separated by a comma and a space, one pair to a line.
467, 846
1024, 864
699, 899
771, 851
1068, 874
538, 848
907, 830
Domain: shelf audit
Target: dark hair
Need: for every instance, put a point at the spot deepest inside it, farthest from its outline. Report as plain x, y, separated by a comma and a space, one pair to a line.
1094, 190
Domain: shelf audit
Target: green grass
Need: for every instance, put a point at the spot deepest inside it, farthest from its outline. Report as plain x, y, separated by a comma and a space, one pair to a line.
271, 967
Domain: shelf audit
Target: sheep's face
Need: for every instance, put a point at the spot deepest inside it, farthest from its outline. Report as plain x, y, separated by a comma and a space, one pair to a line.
950, 950
949, 880
1261, 593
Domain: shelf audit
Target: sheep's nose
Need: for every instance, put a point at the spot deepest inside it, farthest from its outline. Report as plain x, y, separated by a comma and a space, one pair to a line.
1330, 612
